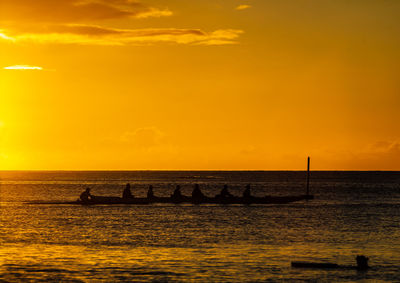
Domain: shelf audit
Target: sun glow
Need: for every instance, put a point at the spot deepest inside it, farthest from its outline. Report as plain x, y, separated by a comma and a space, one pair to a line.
22, 67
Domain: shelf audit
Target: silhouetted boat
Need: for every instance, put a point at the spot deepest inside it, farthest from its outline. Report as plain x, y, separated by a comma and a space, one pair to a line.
186, 199
199, 200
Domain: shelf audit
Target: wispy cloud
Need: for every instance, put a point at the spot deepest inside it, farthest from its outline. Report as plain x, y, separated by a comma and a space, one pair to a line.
5, 37
98, 35
23, 67
143, 137
86, 22
242, 7
73, 11
386, 147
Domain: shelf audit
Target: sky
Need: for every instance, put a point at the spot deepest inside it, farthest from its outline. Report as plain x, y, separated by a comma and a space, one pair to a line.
199, 85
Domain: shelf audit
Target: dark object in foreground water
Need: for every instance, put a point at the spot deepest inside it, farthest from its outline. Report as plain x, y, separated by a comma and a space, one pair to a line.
362, 264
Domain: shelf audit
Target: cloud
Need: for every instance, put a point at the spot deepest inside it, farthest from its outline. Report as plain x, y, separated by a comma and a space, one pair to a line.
85, 22
98, 35
386, 147
5, 37
242, 7
143, 137
23, 67
73, 11
382, 155
379, 155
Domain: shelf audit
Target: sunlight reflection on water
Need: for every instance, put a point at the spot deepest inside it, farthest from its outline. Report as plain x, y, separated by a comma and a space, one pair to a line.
199, 242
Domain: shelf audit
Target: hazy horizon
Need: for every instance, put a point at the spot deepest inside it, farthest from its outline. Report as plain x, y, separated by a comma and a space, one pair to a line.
188, 170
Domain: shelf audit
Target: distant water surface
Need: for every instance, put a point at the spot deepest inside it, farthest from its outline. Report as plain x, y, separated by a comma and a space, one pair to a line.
352, 213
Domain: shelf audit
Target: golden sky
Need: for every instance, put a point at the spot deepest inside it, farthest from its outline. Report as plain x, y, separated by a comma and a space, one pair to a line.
210, 84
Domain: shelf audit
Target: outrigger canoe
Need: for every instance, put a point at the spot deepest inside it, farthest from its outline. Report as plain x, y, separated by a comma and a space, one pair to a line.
186, 199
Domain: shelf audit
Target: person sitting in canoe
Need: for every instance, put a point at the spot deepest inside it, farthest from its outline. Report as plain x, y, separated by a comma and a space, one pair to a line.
127, 194
177, 193
225, 193
246, 192
150, 193
197, 194
86, 196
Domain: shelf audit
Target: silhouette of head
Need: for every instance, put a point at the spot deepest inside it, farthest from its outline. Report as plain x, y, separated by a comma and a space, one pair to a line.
178, 187
225, 186
248, 186
88, 190
362, 262
150, 187
128, 186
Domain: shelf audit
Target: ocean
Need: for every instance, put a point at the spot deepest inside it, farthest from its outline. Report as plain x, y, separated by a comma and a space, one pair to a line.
353, 213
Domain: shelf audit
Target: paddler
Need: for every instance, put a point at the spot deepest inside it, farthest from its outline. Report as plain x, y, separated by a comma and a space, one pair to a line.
246, 192
225, 193
126, 194
86, 196
197, 194
150, 193
177, 193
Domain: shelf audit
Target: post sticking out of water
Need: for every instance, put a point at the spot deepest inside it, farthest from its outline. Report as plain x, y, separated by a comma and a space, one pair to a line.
308, 176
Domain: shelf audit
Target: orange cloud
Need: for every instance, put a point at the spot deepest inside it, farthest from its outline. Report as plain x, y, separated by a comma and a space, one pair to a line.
386, 147
23, 67
380, 155
143, 137
98, 35
77, 22
242, 7
5, 37
73, 11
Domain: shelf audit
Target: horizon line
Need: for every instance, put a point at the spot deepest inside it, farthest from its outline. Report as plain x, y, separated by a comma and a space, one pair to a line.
194, 170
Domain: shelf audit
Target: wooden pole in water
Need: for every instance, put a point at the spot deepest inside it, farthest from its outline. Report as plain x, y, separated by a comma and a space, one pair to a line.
308, 175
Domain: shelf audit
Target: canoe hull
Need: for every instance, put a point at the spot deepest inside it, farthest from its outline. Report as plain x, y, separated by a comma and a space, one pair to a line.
205, 200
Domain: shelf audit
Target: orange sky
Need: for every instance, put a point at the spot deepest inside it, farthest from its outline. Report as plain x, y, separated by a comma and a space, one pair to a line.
211, 84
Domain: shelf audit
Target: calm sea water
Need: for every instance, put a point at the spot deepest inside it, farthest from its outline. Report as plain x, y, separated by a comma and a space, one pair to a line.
352, 213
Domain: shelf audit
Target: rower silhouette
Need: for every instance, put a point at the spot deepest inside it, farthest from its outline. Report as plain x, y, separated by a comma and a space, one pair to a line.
197, 194
86, 196
127, 194
225, 193
177, 193
150, 193
246, 192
